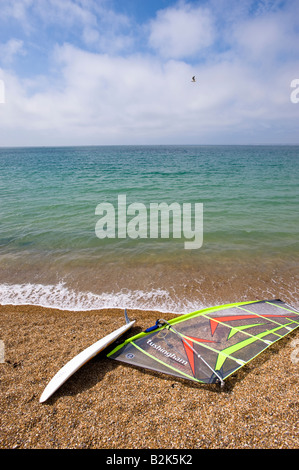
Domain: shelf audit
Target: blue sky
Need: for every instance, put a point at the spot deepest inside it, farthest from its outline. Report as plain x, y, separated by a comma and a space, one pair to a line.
92, 72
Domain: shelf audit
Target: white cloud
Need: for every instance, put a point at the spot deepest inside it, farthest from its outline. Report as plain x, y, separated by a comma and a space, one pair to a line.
16, 9
100, 99
242, 93
91, 23
266, 37
10, 49
181, 31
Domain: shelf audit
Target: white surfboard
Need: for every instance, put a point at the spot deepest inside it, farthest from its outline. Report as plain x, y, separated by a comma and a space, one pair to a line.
84, 356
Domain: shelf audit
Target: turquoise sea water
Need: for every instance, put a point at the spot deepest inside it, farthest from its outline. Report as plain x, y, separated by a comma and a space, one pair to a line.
50, 254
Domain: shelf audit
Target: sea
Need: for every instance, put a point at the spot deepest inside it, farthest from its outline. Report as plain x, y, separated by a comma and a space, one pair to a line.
162, 228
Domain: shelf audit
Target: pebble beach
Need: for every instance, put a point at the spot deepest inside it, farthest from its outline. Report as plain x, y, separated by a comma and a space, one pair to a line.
109, 405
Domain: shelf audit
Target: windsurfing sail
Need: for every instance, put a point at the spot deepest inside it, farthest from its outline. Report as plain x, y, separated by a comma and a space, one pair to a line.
209, 345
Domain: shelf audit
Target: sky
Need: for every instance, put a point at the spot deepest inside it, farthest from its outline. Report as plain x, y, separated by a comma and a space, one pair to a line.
119, 72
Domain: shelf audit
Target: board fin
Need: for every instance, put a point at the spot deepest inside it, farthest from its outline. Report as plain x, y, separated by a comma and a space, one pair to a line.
126, 317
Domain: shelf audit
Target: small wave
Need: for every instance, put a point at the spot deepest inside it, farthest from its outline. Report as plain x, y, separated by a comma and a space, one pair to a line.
61, 297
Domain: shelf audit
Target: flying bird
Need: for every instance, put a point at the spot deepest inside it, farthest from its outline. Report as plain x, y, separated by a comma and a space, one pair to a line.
193, 79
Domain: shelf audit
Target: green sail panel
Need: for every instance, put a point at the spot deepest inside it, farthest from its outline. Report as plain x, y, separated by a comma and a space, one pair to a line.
209, 345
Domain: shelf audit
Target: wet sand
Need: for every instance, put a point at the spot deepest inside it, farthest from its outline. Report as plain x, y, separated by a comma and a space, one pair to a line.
109, 405
178, 287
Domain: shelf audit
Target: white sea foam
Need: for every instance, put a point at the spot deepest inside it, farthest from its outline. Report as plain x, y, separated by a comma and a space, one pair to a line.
60, 296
